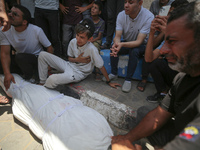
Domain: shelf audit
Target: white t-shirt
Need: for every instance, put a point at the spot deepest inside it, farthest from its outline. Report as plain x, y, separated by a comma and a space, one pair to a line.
29, 41
47, 4
132, 27
89, 50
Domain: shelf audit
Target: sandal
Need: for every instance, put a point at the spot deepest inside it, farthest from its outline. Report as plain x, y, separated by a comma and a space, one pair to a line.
4, 100
142, 85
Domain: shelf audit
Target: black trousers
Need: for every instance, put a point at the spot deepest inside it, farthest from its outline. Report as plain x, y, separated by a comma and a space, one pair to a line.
49, 21
113, 8
161, 74
14, 68
28, 63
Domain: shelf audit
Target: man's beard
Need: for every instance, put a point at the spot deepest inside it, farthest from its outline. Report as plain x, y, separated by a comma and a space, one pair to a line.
16, 25
190, 63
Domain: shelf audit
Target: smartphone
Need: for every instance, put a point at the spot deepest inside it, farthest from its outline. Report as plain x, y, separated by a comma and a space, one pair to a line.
164, 10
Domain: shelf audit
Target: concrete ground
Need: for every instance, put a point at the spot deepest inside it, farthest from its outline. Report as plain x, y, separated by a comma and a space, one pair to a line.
16, 136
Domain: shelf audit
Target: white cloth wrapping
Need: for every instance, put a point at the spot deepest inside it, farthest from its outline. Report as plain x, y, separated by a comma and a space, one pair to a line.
60, 121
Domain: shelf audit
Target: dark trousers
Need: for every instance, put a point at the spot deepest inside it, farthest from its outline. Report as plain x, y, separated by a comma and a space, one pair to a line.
145, 69
28, 63
134, 55
113, 8
49, 21
162, 74
14, 68
163, 136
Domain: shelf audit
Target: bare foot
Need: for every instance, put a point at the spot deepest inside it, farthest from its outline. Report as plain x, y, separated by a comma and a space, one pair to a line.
4, 100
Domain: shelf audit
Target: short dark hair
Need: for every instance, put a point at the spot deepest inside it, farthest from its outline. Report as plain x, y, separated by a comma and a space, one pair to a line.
178, 3
85, 26
99, 3
192, 13
26, 13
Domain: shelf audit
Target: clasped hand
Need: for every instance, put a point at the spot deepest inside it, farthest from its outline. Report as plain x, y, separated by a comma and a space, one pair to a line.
115, 49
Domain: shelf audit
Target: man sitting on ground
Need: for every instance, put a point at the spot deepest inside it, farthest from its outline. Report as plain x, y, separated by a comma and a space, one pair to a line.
82, 56
175, 123
28, 41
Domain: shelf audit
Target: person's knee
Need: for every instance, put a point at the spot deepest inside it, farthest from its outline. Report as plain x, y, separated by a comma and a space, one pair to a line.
51, 82
42, 55
134, 53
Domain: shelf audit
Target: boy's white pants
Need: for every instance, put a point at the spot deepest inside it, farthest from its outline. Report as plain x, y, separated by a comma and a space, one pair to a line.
66, 76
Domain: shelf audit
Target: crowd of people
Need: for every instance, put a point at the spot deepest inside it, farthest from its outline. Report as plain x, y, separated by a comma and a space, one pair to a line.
169, 45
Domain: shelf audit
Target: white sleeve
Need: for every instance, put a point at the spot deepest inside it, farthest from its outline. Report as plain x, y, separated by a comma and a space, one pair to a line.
98, 61
43, 38
119, 22
146, 27
3, 39
70, 52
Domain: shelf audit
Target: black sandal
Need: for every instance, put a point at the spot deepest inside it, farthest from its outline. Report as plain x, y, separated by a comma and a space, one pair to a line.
141, 84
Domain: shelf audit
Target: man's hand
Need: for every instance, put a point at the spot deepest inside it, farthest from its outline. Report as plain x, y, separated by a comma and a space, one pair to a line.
80, 9
115, 49
125, 145
82, 59
64, 9
114, 85
7, 80
161, 23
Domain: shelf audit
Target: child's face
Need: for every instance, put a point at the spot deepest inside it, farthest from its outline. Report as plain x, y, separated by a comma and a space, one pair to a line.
95, 10
81, 38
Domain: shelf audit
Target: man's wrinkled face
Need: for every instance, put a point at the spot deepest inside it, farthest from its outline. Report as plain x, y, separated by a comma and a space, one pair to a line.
180, 48
16, 17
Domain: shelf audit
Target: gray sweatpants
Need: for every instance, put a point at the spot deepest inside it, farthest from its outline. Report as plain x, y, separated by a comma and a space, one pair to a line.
67, 73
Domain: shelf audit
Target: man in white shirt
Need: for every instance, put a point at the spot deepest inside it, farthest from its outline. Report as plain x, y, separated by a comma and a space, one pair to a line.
28, 41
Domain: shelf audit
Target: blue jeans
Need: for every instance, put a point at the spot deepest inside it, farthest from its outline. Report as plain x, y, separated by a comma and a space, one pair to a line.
134, 55
49, 21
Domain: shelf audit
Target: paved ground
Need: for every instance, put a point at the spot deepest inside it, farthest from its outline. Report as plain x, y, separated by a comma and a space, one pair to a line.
16, 136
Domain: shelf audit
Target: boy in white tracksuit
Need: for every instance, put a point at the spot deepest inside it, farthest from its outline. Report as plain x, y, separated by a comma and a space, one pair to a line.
82, 56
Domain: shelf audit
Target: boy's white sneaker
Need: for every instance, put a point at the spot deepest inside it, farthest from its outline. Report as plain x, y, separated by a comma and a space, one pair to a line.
126, 86
111, 77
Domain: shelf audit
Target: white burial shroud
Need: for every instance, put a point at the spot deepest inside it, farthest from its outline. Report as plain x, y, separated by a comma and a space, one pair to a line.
61, 122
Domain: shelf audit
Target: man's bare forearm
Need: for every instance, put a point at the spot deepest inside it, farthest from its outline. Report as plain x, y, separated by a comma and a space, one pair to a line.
5, 61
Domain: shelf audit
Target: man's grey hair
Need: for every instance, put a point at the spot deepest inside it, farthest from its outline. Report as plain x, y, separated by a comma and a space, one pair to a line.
192, 12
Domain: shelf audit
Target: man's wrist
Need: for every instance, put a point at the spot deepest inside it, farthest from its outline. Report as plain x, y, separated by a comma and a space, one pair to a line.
107, 82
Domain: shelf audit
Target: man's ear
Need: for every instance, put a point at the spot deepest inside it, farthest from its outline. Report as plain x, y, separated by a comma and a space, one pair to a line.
140, 2
25, 22
99, 12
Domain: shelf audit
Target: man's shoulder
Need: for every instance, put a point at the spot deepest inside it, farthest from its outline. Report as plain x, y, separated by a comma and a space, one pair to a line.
155, 2
33, 27
146, 13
